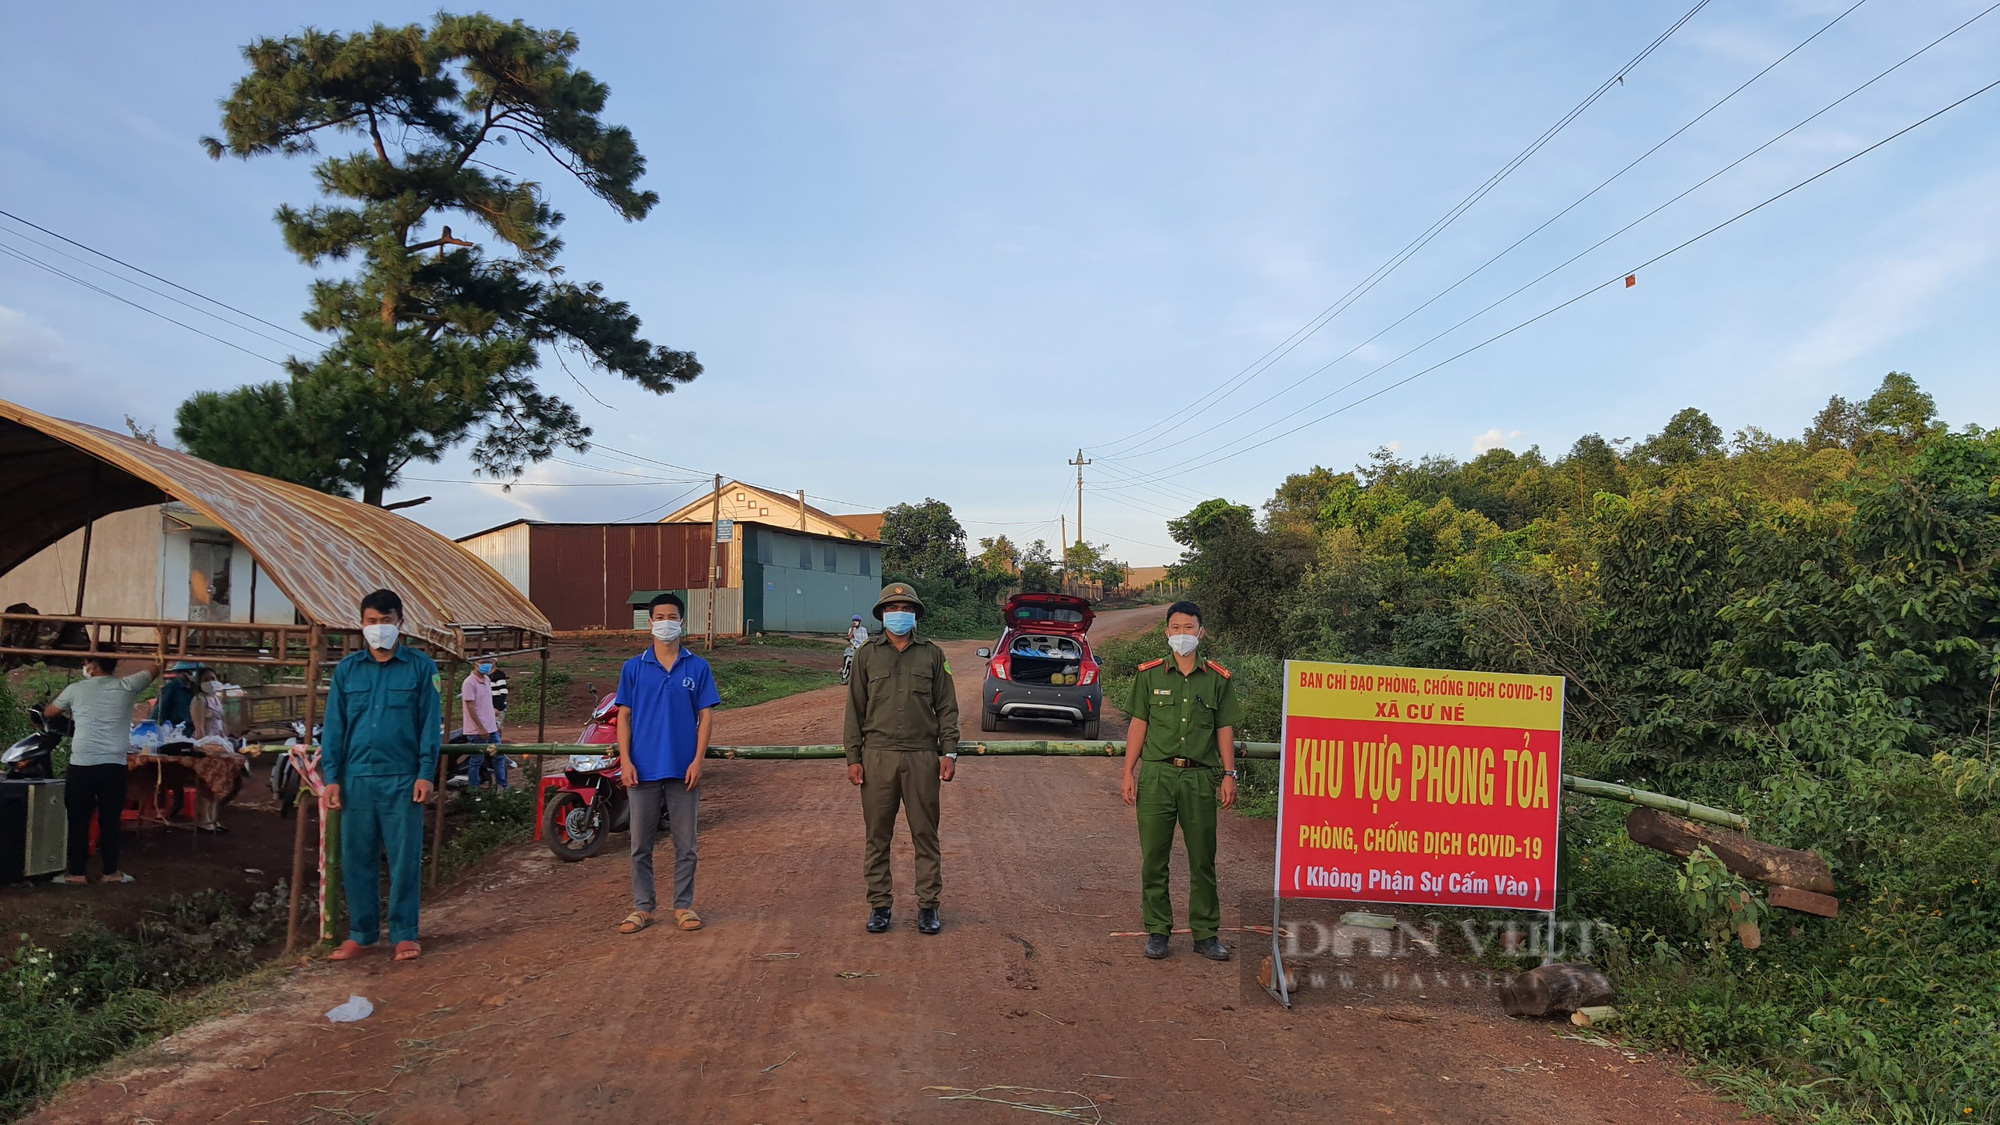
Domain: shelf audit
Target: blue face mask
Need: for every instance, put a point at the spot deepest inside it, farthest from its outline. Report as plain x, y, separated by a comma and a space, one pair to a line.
899, 622
486, 669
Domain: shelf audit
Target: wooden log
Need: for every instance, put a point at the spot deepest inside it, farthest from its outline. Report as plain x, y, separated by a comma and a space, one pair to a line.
1764, 863
1594, 1016
1265, 975
1555, 988
1805, 902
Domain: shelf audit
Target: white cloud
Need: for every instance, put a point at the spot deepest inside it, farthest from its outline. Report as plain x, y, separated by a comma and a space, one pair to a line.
1887, 295
1494, 439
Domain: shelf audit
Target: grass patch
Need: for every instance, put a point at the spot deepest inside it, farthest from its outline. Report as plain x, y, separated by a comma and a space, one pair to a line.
495, 819
97, 993
746, 682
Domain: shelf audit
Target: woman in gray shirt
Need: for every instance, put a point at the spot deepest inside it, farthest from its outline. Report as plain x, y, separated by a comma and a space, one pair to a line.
101, 705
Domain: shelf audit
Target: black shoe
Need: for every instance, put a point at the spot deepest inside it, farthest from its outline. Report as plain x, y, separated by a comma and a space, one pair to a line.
927, 920
878, 920
1156, 946
1212, 949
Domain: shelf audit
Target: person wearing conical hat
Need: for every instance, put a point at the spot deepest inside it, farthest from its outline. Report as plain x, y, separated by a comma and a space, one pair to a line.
902, 745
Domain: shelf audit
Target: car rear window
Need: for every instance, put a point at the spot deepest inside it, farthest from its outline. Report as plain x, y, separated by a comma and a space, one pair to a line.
1044, 613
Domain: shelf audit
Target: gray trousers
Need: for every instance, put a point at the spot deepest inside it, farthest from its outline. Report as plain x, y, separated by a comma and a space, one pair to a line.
681, 803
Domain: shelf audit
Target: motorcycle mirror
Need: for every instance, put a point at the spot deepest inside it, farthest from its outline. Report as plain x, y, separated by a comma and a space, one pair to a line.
591, 687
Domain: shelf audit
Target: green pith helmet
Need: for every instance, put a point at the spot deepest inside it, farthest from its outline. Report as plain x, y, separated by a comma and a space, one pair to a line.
898, 592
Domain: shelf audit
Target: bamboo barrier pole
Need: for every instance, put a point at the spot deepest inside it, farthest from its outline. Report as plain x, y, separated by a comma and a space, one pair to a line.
1609, 791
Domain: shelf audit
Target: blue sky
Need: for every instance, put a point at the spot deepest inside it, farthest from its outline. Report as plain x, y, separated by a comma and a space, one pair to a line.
929, 250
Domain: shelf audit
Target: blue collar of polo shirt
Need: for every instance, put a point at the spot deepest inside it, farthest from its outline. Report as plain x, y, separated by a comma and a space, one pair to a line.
654, 656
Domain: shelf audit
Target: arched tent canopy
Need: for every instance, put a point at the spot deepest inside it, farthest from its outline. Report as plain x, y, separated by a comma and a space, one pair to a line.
324, 552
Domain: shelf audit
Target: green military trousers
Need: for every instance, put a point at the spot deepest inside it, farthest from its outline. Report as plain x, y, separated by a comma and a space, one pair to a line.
1169, 796
908, 778
377, 815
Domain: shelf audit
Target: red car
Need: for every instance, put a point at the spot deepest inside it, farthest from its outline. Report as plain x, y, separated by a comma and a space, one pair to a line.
1042, 667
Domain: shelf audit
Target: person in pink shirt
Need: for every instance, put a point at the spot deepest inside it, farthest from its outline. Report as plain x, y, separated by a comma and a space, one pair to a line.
482, 724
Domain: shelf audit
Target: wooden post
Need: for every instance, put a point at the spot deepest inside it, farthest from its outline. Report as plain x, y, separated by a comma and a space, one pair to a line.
83, 569
802, 509
299, 829
437, 824
714, 544
542, 707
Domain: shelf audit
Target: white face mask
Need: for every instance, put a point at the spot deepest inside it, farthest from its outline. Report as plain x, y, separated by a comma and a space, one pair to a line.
381, 636
212, 687
667, 631
1183, 644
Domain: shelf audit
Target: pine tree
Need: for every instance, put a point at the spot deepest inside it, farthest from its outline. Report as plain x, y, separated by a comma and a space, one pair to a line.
436, 335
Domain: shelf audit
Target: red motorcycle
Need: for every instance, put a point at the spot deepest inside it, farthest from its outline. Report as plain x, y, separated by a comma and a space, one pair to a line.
588, 802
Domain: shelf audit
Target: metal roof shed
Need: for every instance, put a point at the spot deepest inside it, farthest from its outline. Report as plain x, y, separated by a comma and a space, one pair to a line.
324, 552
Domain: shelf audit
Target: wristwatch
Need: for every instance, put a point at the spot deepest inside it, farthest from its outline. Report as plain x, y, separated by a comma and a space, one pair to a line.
953, 755
1229, 773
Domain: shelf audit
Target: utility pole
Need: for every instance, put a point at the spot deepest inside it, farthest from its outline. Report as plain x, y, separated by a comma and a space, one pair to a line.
714, 544
802, 509
1080, 462
1065, 552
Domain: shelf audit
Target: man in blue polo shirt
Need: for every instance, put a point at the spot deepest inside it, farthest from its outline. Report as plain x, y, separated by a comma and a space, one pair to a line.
666, 702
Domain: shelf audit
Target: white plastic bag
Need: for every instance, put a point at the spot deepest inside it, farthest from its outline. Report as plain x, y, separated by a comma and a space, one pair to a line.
355, 1010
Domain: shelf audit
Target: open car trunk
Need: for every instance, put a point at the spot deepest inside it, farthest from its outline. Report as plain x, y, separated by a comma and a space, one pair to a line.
1043, 658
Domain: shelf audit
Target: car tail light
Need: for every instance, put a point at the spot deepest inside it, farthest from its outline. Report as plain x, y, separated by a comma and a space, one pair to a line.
999, 667
1090, 672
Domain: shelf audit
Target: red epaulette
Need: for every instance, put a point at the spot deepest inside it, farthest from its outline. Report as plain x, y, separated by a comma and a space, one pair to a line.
1217, 668
1152, 664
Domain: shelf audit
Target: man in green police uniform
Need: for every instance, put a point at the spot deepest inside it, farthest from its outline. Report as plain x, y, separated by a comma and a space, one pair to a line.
1184, 716
902, 742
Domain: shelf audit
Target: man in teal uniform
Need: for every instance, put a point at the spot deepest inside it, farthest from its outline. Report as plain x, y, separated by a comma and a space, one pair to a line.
379, 751
1184, 716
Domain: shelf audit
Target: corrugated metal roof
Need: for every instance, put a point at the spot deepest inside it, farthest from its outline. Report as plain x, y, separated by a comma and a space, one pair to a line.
325, 552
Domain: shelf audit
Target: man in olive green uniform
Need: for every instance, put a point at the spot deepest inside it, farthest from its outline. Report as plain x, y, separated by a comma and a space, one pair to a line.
1184, 714
902, 743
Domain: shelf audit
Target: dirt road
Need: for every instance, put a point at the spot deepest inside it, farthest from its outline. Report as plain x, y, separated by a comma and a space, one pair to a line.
527, 1006
815, 717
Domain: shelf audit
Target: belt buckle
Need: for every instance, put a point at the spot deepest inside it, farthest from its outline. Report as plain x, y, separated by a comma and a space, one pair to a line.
1182, 763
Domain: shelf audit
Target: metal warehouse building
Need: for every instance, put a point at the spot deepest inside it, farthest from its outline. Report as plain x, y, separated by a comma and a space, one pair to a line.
771, 579
582, 575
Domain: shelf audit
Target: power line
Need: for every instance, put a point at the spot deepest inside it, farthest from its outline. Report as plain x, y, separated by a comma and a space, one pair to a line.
1622, 275
673, 503
1382, 272
12, 253
1546, 223
158, 278
190, 306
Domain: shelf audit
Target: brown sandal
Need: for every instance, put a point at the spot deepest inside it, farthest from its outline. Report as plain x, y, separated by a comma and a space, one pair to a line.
346, 951
408, 951
635, 921
687, 919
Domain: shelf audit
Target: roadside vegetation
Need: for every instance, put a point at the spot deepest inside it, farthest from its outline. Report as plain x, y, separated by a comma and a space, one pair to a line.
1805, 630
97, 992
